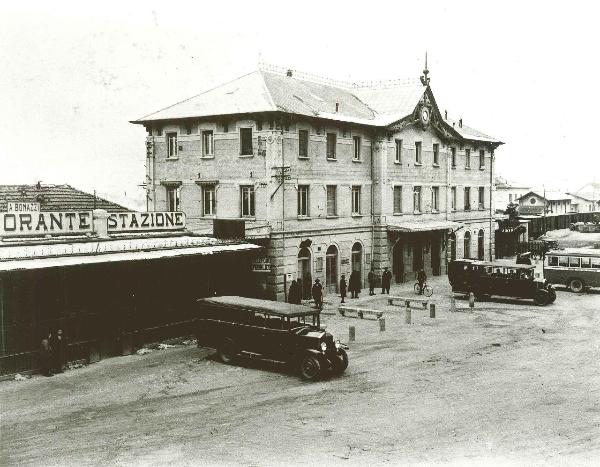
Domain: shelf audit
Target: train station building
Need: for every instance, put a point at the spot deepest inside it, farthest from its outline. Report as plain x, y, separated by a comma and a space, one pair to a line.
328, 176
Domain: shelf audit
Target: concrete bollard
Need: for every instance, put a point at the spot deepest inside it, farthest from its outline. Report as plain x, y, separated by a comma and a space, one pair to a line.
471, 300
452, 304
408, 315
351, 333
432, 310
381, 324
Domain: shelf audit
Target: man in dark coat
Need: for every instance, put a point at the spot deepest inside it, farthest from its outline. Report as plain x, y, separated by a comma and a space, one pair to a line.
46, 355
386, 280
293, 293
59, 351
317, 293
421, 278
371, 279
354, 284
343, 287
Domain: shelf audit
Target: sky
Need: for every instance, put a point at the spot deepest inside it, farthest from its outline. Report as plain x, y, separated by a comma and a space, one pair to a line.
73, 75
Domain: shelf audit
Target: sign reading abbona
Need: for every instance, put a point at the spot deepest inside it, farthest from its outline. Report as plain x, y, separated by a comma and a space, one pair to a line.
82, 222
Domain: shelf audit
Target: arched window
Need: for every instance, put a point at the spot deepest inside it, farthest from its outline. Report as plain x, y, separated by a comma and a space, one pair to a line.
452, 245
480, 245
331, 268
467, 245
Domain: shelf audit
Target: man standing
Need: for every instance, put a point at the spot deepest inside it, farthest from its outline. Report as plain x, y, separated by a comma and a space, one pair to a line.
371, 279
421, 278
317, 293
294, 293
59, 351
46, 355
343, 287
354, 284
386, 280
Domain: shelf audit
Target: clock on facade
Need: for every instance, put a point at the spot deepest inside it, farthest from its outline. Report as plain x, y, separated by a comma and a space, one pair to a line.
425, 116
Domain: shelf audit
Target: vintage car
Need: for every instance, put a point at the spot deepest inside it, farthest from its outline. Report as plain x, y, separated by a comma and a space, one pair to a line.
292, 334
501, 278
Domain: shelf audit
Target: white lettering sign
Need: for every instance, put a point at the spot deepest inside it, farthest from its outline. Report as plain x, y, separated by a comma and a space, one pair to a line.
22, 207
145, 221
45, 223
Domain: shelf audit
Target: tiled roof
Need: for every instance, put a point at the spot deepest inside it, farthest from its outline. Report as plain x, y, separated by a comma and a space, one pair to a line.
468, 132
55, 198
261, 91
549, 195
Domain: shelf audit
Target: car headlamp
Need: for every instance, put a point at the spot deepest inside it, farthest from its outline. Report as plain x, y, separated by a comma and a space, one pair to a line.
323, 346
337, 344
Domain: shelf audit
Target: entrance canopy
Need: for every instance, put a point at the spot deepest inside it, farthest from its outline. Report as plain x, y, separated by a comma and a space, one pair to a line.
423, 226
39, 255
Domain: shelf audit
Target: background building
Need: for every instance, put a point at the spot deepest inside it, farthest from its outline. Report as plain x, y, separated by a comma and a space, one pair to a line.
330, 177
506, 193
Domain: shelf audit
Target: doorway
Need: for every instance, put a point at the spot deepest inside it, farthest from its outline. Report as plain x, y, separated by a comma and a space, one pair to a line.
417, 256
435, 256
398, 262
331, 269
357, 260
304, 275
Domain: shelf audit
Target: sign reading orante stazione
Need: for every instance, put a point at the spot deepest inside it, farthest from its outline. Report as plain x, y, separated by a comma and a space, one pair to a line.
30, 224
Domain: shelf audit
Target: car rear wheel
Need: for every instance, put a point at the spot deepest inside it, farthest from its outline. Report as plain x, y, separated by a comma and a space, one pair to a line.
541, 298
342, 363
310, 368
227, 351
552, 294
576, 285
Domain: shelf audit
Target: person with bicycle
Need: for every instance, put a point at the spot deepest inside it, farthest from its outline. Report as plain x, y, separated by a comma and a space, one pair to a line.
421, 279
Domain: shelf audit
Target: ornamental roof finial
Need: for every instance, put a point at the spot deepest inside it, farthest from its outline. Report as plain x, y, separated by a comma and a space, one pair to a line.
424, 78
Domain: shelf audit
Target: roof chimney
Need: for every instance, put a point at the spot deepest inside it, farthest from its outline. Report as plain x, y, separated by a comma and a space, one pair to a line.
289, 73
460, 123
337, 107
445, 115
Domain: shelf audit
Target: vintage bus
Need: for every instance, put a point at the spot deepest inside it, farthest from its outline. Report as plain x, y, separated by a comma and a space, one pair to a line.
577, 268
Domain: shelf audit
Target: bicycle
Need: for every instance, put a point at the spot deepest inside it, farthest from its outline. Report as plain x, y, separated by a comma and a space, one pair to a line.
427, 289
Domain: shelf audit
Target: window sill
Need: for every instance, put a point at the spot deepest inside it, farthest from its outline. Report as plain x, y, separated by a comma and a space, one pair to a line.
435, 211
333, 159
172, 158
397, 163
303, 157
467, 168
481, 168
248, 218
357, 160
453, 167
304, 218
417, 213
398, 214
357, 215
481, 208
207, 157
436, 165
209, 216
332, 217
467, 209
418, 164
246, 156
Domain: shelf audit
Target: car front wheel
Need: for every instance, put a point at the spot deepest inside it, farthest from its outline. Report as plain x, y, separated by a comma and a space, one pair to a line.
576, 285
552, 295
310, 368
541, 298
342, 363
227, 351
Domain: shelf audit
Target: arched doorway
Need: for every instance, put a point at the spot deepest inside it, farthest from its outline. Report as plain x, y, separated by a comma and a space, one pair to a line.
357, 259
304, 275
452, 245
398, 261
331, 269
480, 245
467, 246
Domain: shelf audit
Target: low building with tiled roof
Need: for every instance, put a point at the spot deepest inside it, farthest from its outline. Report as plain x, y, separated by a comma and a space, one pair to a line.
55, 198
331, 177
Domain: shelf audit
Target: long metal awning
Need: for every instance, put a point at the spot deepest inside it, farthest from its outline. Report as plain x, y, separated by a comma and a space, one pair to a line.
424, 226
26, 257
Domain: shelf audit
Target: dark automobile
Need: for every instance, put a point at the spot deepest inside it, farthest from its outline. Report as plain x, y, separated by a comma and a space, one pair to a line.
502, 278
283, 332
